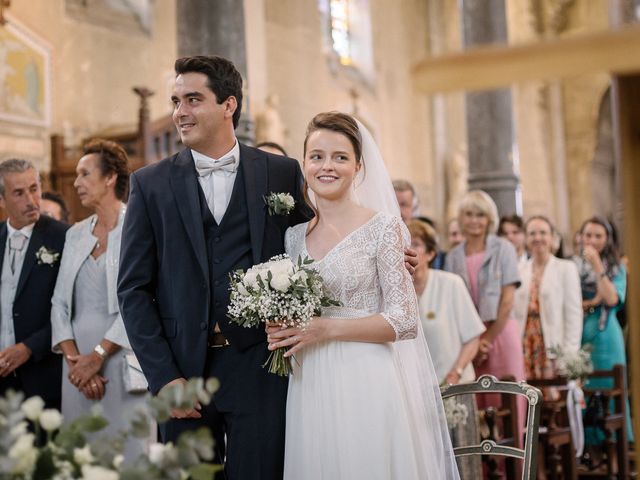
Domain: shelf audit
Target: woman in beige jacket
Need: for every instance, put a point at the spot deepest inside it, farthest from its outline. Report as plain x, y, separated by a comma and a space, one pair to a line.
548, 303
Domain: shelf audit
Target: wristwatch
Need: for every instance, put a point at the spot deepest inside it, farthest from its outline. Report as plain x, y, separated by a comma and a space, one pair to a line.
101, 351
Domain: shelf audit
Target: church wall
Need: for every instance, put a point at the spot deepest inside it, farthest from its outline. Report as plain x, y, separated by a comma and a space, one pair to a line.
581, 101
556, 121
94, 67
300, 71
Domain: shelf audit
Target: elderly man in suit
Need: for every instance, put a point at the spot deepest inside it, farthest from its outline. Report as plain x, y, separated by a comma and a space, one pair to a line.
30, 250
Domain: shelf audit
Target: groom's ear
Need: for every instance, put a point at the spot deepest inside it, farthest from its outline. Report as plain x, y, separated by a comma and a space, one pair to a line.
230, 106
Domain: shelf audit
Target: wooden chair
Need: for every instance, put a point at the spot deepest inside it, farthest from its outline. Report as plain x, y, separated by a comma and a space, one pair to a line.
556, 442
611, 420
490, 384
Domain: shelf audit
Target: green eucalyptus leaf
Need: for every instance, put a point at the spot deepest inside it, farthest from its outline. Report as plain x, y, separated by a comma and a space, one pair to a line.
203, 471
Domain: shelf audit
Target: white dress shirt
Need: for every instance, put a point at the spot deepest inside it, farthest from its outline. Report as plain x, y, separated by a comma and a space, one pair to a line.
218, 185
9, 285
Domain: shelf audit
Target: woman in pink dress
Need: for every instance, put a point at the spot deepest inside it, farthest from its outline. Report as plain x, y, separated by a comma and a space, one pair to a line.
489, 268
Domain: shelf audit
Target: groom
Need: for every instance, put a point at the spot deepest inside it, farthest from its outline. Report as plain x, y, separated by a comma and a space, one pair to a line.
191, 219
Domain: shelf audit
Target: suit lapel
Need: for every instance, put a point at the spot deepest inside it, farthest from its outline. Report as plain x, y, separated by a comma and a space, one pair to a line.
36, 241
184, 183
254, 170
3, 243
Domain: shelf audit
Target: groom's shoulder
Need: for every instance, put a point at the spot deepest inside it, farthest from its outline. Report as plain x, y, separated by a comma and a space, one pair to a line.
159, 169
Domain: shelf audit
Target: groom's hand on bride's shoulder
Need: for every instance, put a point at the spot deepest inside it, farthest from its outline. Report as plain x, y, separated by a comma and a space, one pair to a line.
183, 413
410, 260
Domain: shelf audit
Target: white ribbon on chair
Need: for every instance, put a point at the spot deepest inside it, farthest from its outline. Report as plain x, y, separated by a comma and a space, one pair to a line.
575, 402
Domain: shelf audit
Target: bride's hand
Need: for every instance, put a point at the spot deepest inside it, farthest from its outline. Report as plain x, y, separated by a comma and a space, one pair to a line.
270, 327
297, 338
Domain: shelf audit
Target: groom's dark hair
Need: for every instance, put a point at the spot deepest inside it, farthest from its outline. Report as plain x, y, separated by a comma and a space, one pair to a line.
224, 79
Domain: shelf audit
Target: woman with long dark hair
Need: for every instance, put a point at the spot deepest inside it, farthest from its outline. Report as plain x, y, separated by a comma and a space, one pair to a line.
603, 280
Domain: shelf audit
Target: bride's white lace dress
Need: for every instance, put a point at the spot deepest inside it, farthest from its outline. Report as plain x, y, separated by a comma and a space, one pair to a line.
349, 411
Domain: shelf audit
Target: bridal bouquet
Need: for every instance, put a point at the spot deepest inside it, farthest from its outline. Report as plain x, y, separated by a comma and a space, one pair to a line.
277, 291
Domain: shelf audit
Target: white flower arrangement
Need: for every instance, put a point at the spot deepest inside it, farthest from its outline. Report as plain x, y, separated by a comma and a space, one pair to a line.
573, 365
277, 291
67, 454
46, 256
279, 203
456, 413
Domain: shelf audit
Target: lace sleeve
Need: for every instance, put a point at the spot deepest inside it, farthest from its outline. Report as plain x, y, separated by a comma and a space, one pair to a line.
400, 306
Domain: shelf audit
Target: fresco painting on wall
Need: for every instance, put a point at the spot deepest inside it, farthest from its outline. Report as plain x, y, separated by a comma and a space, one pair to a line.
24, 77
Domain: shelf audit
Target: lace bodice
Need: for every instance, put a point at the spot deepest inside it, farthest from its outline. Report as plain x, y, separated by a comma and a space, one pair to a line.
365, 271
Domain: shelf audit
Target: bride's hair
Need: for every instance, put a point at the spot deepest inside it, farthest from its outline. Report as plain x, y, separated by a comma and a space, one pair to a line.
336, 122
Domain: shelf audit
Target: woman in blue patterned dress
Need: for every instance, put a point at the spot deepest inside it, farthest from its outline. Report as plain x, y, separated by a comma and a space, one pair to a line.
603, 280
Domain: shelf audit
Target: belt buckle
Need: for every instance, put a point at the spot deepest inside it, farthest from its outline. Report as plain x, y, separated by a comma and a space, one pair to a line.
213, 345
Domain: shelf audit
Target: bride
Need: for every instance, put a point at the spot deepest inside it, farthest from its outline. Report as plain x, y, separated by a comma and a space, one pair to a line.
363, 400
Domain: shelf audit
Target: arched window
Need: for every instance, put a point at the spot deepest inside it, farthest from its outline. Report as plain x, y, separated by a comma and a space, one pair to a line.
341, 30
347, 33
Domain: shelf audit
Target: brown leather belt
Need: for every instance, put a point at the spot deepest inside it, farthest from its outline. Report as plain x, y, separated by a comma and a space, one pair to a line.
217, 340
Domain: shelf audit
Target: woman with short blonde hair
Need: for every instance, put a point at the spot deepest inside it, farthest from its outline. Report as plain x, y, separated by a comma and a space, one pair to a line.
489, 268
479, 201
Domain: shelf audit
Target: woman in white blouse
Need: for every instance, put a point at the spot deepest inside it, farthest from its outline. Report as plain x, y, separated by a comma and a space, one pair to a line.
548, 303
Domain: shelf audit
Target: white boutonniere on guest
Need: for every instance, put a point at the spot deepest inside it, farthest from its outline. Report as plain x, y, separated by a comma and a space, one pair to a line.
46, 256
279, 203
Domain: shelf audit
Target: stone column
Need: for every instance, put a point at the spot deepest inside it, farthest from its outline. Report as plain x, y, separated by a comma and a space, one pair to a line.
208, 27
492, 158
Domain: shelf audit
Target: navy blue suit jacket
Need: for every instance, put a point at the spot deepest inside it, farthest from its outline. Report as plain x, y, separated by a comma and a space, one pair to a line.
163, 285
42, 373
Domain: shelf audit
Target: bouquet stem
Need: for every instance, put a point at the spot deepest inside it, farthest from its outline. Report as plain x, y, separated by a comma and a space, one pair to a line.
277, 363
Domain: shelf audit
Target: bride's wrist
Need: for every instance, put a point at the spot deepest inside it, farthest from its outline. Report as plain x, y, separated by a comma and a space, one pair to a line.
327, 328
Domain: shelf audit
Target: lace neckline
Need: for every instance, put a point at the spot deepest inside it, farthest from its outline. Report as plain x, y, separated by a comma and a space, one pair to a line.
335, 247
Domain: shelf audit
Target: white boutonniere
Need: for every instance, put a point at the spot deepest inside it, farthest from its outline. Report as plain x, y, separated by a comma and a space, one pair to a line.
279, 203
46, 256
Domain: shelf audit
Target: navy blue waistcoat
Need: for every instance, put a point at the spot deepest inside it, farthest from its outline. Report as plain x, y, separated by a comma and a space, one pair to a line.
228, 249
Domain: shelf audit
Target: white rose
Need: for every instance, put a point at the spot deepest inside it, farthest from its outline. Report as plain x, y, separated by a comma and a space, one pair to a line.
19, 429
50, 419
83, 455
281, 267
95, 472
117, 460
286, 199
24, 453
46, 257
32, 408
250, 278
280, 282
158, 452
242, 289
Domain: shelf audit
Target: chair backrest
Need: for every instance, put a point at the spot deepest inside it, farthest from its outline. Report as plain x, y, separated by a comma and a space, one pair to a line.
490, 384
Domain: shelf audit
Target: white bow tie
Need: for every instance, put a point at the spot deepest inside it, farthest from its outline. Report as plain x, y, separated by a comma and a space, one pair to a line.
225, 164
